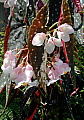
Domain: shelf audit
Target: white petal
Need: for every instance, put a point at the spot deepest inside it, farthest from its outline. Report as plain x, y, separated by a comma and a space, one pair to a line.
66, 28
50, 47
29, 73
60, 34
65, 37
52, 81
38, 39
58, 42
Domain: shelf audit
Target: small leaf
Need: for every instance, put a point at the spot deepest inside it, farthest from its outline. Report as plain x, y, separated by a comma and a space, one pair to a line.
3, 78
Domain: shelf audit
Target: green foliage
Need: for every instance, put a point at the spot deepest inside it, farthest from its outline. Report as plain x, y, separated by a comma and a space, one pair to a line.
79, 58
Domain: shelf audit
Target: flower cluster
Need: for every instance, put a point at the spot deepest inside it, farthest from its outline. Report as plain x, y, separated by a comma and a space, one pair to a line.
20, 74
63, 34
58, 68
23, 74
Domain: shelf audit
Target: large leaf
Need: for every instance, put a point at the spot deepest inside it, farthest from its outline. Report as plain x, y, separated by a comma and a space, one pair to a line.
69, 47
7, 35
38, 25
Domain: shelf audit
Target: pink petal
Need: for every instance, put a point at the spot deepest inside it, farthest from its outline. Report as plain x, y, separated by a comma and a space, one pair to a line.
38, 39
29, 67
58, 62
65, 67
51, 74
50, 47
18, 69
29, 73
13, 75
21, 77
9, 55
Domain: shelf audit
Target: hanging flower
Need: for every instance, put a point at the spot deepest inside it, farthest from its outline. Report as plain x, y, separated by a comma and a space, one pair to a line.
64, 32
50, 45
59, 68
8, 63
22, 75
66, 28
38, 39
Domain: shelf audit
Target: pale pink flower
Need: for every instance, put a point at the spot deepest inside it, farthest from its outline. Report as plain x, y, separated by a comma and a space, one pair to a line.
59, 68
15, 72
29, 67
64, 32
8, 63
65, 68
66, 28
58, 62
9, 55
53, 74
23, 75
38, 39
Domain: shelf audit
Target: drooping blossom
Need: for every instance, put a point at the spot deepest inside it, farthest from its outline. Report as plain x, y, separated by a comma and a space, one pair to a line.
64, 31
8, 63
50, 45
38, 39
59, 68
22, 75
